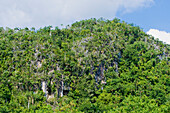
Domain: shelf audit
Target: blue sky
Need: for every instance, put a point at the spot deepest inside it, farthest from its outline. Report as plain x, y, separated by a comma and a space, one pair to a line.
156, 16
153, 16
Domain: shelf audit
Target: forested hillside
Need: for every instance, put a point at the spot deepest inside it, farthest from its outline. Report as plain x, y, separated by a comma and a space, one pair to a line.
89, 66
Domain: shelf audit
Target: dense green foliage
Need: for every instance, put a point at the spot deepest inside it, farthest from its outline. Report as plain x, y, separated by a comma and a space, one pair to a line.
90, 66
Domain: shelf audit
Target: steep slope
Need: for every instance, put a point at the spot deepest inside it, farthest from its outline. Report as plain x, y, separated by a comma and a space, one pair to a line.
90, 66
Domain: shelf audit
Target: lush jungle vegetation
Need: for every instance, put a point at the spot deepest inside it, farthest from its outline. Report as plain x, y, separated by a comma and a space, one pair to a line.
91, 66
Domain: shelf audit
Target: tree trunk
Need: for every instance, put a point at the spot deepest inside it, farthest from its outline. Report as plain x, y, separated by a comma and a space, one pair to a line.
28, 104
62, 87
44, 88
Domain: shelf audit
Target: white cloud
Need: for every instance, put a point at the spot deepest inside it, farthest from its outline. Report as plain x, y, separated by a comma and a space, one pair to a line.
37, 13
161, 35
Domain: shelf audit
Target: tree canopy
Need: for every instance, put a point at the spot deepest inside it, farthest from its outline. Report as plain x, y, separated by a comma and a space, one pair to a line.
91, 66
